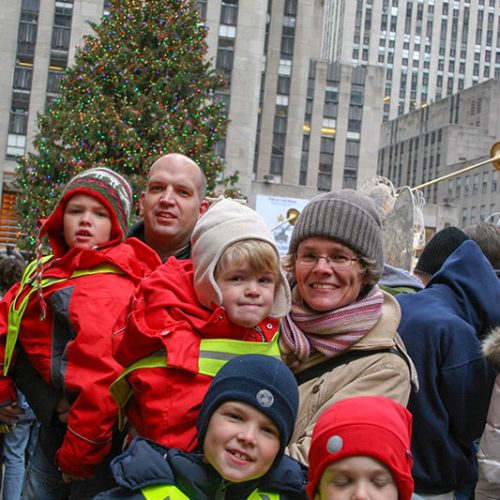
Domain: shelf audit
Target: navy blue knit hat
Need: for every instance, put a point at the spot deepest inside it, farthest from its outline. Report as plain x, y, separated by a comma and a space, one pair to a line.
438, 249
263, 382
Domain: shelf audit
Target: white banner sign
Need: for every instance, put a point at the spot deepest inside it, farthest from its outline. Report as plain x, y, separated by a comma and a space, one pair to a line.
273, 210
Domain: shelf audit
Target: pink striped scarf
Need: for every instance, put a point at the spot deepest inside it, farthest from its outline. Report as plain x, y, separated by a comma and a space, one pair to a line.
304, 330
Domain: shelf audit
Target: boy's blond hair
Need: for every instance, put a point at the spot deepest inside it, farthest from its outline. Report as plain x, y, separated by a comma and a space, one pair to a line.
259, 255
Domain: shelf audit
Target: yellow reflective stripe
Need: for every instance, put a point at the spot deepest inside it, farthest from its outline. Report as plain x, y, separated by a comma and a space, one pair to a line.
171, 492
120, 389
263, 495
16, 312
215, 353
163, 492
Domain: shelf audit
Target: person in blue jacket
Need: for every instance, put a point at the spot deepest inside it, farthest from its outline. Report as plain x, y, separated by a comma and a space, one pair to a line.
245, 422
442, 327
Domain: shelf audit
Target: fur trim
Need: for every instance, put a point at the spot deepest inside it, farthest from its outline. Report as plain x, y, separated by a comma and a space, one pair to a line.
491, 347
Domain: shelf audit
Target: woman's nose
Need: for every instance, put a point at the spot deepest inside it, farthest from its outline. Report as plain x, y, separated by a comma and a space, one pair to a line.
322, 266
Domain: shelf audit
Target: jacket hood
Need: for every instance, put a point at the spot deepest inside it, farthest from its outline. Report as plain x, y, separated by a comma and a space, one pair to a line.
397, 277
52, 227
491, 347
475, 288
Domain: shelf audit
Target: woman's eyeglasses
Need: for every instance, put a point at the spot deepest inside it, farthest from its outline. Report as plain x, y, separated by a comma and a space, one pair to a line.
311, 259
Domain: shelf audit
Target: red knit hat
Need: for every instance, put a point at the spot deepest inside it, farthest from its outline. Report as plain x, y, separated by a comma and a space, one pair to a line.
371, 426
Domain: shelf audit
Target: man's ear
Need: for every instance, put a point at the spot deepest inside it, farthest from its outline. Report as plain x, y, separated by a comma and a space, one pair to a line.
141, 204
203, 207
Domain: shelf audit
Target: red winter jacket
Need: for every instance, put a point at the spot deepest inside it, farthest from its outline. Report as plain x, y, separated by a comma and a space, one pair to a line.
166, 315
71, 348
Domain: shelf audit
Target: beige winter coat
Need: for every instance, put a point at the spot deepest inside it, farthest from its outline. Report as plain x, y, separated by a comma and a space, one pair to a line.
383, 374
488, 486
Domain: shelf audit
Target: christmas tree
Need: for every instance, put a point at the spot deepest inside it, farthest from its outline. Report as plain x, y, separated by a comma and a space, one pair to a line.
140, 86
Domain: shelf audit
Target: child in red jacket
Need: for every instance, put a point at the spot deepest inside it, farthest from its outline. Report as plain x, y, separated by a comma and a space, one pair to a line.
360, 448
190, 317
62, 314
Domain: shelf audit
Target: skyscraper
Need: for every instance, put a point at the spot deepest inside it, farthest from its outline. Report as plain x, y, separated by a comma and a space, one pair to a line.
429, 48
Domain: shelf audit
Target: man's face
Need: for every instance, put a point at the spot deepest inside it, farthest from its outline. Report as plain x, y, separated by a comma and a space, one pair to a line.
171, 204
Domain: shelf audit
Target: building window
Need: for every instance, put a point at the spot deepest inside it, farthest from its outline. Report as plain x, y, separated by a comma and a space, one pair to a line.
354, 118
464, 216
475, 184
350, 179
18, 122
304, 160
285, 67
53, 81
278, 148
473, 215
484, 189
352, 154
291, 7
287, 41
326, 163
482, 213
61, 33
223, 98
229, 12
16, 145
220, 148
23, 78
225, 56
201, 5
357, 95
26, 37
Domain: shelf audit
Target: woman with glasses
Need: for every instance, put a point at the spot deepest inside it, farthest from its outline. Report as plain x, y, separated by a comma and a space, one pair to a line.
340, 337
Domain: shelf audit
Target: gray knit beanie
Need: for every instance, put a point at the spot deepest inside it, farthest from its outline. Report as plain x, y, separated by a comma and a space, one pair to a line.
346, 216
226, 222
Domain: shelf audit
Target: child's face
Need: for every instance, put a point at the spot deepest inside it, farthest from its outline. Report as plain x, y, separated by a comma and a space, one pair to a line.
241, 442
86, 222
247, 297
363, 478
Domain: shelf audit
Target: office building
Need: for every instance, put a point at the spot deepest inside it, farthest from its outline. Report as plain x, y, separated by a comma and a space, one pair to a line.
442, 138
429, 48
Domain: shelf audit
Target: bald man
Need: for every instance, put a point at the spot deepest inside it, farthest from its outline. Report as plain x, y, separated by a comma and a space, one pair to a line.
170, 206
